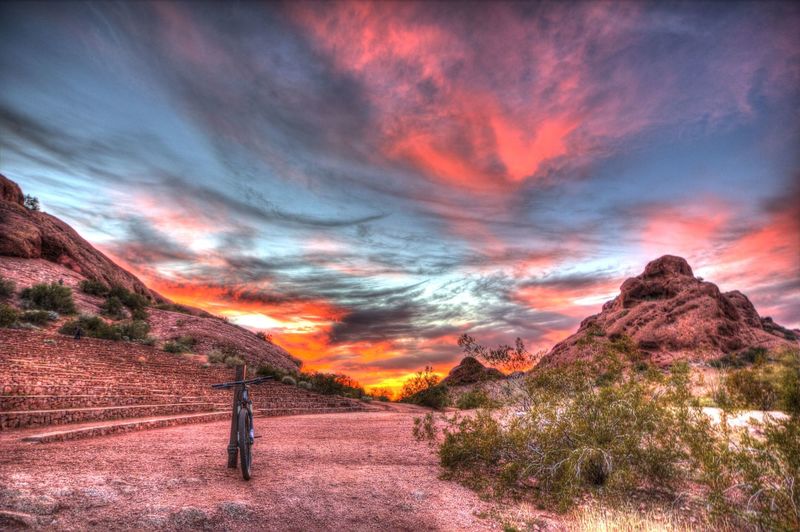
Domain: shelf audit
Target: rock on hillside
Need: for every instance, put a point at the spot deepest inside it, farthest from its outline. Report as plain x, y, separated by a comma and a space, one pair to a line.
37, 235
672, 315
471, 371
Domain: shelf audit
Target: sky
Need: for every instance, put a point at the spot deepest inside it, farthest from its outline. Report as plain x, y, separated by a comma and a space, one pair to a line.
368, 181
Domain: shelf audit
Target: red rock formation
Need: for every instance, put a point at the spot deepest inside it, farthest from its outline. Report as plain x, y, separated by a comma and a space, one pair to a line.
37, 235
671, 315
470, 371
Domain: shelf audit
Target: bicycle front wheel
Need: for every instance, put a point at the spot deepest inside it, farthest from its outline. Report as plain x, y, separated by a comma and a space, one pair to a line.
244, 443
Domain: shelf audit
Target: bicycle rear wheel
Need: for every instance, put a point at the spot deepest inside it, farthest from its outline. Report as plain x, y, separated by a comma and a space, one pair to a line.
244, 443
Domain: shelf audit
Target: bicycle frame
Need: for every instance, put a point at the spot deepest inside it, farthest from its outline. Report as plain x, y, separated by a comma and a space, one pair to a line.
240, 424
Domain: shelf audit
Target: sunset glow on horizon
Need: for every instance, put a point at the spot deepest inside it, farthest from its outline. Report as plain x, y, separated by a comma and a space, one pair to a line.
367, 181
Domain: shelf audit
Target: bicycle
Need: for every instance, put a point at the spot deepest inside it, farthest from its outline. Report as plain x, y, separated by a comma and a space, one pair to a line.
243, 415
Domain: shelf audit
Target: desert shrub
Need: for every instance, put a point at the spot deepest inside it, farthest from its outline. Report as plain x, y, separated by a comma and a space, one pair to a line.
752, 388
747, 357
264, 336
269, 371
381, 394
511, 358
335, 384
474, 399
38, 317
133, 329
113, 308
433, 397
420, 381
423, 389
366, 398
304, 384
7, 287
31, 202
137, 304
574, 437
288, 380
227, 354
55, 297
233, 361
94, 288
173, 307
174, 347
765, 385
8, 315
96, 327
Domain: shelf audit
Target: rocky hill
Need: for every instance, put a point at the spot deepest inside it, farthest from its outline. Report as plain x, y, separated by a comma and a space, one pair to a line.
30, 234
471, 371
36, 247
672, 315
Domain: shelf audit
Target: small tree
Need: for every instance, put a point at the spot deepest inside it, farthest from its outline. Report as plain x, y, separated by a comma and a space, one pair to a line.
510, 358
31, 202
7, 288
419, 382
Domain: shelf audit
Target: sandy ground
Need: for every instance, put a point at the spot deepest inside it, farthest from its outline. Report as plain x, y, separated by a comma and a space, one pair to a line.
356, 471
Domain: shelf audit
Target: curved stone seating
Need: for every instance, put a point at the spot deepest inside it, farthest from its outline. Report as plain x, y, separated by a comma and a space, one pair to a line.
94, 387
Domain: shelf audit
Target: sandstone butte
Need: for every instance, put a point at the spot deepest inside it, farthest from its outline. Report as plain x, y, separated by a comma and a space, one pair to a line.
36, 247
672, 315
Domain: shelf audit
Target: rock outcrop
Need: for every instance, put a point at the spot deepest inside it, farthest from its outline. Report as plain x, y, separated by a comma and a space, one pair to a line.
31, 234
672, 315
471, 371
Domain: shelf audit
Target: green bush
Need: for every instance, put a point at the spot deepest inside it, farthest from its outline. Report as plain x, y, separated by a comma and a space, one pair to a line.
7, 288
770, 383
304, 384
288, 380
113, 308
745, 358
182, 344
38, 317
433, 397
8, 315
335, 384
575, 439
226, 354
55, 297
474, 399
94, 288
137, 304
269, 371
96, 327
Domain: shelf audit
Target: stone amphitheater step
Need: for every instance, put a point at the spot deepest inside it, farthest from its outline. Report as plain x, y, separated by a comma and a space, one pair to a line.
27, 418
56, 402
275, 412
121, 426
47, 380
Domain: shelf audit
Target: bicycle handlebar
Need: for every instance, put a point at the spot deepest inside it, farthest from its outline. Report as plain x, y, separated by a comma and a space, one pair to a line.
257, 380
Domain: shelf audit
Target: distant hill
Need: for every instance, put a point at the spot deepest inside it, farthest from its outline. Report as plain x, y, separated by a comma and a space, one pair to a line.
36, 247
471, 371
672, 315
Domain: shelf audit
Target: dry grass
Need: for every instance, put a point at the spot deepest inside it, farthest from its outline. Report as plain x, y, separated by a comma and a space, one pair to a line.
602, 519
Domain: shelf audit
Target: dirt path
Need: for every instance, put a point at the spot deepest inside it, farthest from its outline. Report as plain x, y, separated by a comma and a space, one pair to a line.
359, 471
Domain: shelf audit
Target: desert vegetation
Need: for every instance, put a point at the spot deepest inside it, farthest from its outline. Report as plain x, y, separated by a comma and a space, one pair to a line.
97, 327
614, 428
53, 296
7, 288
425, 389
319, 382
